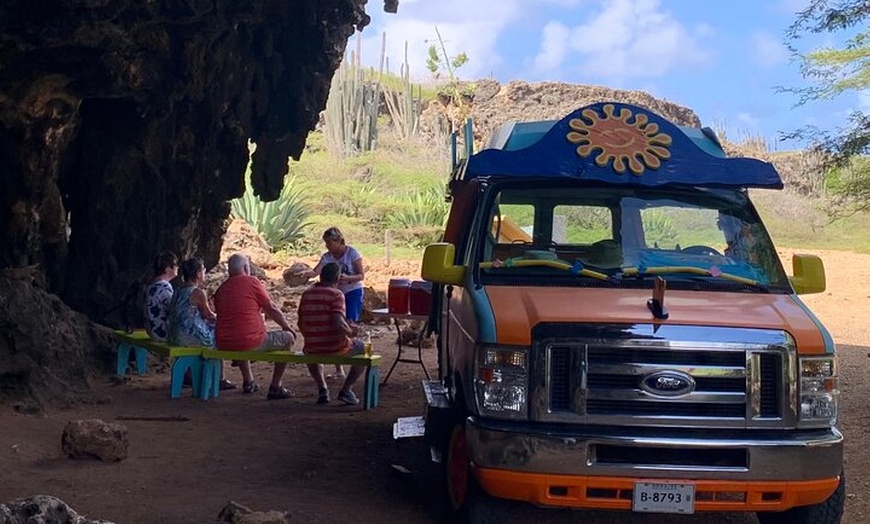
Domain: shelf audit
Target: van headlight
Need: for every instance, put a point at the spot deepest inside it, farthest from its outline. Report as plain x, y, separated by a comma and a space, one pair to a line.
819, 389
501, 382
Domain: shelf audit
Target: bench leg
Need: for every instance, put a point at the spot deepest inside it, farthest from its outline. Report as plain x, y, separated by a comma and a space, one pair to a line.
211, 377
196, 375
123, 359
141, 361
372, 388
179, 367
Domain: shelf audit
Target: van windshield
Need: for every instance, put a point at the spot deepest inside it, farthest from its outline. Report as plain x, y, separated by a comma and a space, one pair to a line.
694, 237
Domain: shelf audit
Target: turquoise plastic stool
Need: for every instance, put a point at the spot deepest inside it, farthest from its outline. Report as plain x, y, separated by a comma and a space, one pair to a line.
141, 355
212, 372
180, 365
372, 387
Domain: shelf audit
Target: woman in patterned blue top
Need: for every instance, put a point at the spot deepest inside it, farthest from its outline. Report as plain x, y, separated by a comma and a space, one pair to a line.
191, 319
159, 295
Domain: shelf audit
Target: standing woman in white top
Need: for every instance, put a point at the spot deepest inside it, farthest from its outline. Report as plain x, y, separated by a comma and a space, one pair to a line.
350, 283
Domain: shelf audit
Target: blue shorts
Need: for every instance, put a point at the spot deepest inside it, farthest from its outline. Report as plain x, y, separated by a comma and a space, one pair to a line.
353, 304
357, 347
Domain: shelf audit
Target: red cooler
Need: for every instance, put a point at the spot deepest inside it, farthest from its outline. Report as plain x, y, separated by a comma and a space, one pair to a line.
421, 293
398, 296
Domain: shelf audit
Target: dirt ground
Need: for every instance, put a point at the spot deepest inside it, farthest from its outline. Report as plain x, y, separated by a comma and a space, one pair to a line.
333, 464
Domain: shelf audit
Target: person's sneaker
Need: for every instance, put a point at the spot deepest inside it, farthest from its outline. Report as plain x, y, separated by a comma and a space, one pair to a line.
279, 393
250, 387
323, 396
348, 397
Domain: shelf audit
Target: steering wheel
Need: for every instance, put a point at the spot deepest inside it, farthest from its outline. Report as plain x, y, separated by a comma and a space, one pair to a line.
701, 250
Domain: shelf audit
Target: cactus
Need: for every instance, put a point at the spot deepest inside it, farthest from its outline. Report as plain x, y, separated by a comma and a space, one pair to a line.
352, 107
403, 106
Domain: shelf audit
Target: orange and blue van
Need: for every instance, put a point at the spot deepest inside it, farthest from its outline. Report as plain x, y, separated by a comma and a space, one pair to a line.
615, 330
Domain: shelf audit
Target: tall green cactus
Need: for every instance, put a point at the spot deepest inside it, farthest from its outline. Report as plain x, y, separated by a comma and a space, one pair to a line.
404, 107
352, 107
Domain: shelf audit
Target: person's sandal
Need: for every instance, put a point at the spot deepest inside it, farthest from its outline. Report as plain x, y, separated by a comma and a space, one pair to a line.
348, 397
250, 387
278, 393
323, 396
226, 384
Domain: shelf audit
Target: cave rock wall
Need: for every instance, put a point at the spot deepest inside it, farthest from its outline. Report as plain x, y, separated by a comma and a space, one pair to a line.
124, 126
124, 130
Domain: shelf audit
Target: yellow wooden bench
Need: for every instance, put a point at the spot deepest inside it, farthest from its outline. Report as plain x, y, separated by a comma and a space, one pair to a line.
182, 358
213, 367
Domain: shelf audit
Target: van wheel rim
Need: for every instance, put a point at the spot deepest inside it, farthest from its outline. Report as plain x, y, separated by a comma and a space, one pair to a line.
457, 468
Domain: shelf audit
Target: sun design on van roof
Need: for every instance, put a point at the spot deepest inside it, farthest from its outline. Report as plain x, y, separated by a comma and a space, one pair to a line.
630, 145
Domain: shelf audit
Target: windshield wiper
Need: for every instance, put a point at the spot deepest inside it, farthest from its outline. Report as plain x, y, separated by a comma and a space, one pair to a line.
576, 268
713, 272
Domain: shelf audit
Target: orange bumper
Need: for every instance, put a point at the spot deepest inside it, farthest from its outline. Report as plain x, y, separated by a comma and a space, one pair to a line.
616, 492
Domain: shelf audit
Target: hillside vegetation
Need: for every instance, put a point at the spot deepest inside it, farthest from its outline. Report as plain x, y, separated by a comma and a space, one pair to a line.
393, 194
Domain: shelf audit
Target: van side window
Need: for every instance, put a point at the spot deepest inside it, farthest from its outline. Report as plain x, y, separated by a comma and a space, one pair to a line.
515, 223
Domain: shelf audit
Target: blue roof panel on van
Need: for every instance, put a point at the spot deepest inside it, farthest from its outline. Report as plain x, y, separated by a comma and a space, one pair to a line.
620, 144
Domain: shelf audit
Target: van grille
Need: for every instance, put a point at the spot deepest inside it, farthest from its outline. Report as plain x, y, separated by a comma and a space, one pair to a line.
610, 383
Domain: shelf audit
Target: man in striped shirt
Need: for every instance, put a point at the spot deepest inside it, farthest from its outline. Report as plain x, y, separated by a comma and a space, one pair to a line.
326, 330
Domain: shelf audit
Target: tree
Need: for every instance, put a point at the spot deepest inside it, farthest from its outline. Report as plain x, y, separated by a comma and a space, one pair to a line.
440, 62
439, 59
833, 71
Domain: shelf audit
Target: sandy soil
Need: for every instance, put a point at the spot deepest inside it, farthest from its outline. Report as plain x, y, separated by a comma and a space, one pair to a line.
332, 464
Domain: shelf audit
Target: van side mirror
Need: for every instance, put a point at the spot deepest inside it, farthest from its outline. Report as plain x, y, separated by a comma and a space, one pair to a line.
438, 264
809, 274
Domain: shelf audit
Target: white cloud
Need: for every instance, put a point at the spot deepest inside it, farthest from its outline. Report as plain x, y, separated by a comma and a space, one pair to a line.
553, 46
617, 40
748, 119
704, 30
636, 38
767, 50
562, 3
466, 27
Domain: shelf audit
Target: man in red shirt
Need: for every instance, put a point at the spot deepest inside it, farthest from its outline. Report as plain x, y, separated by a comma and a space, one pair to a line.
326, 330
240, 303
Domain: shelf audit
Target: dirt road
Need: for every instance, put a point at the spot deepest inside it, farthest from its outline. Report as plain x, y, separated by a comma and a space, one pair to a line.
332, 464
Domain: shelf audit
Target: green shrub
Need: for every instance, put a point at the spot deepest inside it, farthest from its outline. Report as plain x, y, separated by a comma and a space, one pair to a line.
281, 222
421, 220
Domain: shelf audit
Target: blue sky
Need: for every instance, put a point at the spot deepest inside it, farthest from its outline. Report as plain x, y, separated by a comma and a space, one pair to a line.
722, 59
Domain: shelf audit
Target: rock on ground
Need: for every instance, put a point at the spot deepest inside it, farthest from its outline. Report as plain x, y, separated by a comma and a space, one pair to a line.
242, 238
93, 438
42, 509
234, 513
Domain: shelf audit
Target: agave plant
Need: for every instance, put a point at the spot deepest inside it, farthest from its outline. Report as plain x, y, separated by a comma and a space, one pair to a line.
423, 209
421, 221
659, 227
281, 222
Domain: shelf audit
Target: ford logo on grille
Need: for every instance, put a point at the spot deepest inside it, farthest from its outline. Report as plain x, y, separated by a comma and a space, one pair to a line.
668, 383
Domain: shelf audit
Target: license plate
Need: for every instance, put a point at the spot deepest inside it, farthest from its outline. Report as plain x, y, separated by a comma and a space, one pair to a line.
663, 497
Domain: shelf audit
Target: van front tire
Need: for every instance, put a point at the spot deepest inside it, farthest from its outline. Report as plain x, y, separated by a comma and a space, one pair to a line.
465, 501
